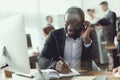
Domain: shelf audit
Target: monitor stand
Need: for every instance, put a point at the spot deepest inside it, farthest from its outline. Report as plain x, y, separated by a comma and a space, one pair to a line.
3, 53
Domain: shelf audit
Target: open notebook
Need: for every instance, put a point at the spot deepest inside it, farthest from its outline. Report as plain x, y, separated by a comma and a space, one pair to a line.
54, 74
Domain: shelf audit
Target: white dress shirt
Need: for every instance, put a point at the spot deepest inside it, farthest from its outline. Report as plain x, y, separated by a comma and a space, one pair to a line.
106, 13
73, 51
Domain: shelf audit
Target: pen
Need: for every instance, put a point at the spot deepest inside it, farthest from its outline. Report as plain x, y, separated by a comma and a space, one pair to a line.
39, 70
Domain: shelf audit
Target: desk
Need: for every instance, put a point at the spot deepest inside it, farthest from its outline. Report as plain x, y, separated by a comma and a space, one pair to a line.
111, 51
86, 73
95, 73
108, 74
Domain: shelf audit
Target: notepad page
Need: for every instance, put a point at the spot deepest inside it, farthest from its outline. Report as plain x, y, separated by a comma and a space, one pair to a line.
84, 78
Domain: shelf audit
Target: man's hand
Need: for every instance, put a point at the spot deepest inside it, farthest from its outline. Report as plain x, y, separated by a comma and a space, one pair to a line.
62, 67
116, 70
85, 33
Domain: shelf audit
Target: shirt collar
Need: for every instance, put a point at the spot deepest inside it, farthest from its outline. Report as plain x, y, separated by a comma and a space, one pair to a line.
69, 37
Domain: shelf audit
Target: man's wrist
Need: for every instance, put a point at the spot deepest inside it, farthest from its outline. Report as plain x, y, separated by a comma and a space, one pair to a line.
86, 40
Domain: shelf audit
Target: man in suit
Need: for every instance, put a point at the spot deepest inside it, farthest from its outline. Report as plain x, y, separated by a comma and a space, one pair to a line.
110, 16
74, 43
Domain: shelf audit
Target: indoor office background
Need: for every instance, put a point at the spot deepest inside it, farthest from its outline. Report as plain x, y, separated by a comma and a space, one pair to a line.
35, 12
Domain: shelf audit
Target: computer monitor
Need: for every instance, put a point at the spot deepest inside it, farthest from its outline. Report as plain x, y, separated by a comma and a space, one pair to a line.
13, 44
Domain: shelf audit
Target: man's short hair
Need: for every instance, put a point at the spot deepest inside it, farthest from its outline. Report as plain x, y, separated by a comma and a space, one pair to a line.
74, 10
104, 3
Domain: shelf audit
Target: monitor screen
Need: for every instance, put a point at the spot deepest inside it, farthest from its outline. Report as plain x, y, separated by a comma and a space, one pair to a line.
29, 43
13, 38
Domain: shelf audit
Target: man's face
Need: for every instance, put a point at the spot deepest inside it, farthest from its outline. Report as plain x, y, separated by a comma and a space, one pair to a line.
104, 8
73, 24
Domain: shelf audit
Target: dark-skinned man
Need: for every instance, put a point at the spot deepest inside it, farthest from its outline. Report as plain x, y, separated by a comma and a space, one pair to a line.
73, 43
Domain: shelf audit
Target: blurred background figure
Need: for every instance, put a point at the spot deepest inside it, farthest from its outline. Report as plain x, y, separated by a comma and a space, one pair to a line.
47, 30
118, 44
110, 48
110, 16
49, 20
92, 18
107, 31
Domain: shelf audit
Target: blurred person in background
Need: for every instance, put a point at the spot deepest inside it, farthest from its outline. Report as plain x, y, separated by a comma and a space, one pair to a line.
49, 20
110, 16
92, 18
47, 30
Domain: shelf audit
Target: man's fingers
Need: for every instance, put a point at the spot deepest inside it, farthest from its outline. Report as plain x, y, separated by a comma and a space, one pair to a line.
88, 29
86, 24
62, 67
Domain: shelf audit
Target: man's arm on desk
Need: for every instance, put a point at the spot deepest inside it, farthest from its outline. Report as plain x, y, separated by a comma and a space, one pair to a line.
48, 52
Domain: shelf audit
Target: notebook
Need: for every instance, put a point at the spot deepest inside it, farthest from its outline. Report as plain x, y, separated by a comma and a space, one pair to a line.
54, 74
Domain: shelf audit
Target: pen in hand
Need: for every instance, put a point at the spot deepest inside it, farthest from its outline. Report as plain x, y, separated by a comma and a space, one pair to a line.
65, 64
39, 70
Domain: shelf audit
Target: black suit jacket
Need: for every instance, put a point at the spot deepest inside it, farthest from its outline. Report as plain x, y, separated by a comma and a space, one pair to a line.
111, 17
54, 47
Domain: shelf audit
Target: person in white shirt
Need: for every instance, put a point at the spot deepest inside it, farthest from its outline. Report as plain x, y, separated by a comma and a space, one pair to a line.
49, 20
93, 19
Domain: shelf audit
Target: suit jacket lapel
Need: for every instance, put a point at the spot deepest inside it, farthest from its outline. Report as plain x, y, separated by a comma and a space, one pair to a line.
62, 43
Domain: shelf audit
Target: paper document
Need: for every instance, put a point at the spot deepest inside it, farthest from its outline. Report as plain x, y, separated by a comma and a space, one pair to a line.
54, 74
84, 78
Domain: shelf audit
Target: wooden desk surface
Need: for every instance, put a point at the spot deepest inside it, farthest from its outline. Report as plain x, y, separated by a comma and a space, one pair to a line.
94, 73
108, 74
111, 47
84, 73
